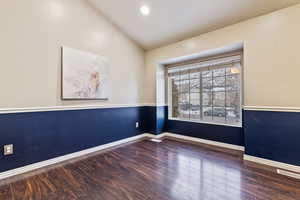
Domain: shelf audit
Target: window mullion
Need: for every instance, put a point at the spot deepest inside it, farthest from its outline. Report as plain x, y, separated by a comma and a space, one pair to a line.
225, 94
201, 95
189, 107
212, 95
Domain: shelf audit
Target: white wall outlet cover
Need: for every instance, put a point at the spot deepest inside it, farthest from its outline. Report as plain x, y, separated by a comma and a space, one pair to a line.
8, 149
137, 125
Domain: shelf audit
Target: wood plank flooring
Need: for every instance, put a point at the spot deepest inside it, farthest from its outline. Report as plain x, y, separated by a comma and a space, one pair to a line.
145, 170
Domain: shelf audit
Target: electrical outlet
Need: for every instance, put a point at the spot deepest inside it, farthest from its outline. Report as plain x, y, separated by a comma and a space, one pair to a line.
8, 149
137, 125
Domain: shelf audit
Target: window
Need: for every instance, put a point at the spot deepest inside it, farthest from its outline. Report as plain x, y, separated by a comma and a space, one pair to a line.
207, 91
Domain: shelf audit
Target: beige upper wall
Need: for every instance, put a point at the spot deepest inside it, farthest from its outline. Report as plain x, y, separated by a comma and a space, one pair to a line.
33, 31
271, 57
31, 35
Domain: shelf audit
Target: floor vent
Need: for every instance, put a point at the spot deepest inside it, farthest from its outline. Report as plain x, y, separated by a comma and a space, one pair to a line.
288, 173
155, 140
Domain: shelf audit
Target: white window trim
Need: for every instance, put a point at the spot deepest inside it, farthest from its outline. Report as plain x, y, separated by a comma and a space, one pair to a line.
238, 125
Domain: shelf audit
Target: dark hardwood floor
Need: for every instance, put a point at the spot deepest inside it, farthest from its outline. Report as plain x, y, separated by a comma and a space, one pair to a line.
145, 170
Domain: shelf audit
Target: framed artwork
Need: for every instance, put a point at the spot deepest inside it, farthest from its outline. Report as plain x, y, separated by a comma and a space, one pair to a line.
84, 75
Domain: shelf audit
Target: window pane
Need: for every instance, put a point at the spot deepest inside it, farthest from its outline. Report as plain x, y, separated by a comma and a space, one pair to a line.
184, 75
184, 86
235, 69
195, 85
233, 115
207, 84
175, 86
233, 99
206, 74
233, 82
195, 109
207, 99
175, 98
233, 110
219, 114
184, 111
195, 102
219, 84
184, 98
194, 75
195, 95
175, 110
219, 99
176, 78
219, 72
207, 113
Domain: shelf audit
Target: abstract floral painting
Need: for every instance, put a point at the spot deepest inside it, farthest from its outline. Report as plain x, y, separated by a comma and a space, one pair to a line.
84, 75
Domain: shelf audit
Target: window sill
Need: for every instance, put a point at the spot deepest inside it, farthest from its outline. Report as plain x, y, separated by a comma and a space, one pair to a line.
238, 125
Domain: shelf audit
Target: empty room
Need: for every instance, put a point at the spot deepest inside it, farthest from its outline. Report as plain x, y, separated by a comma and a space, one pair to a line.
150, 100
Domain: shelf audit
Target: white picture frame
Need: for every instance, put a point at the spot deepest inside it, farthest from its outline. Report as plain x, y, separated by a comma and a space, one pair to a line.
84, 75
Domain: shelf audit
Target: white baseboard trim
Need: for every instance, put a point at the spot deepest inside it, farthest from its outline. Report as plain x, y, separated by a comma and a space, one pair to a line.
272, 163
156, 136
56, 160
210, 142
28, 168
288, 173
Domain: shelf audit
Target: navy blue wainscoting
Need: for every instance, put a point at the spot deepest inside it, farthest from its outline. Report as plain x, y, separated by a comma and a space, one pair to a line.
273, 135
154, 119
218, 133
39, 136
161, 118
149, 119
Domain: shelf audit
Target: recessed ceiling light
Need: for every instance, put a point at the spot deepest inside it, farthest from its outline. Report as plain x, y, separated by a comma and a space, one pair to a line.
145, 10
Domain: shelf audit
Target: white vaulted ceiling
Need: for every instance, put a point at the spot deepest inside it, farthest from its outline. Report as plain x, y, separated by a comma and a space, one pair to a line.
174, 20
